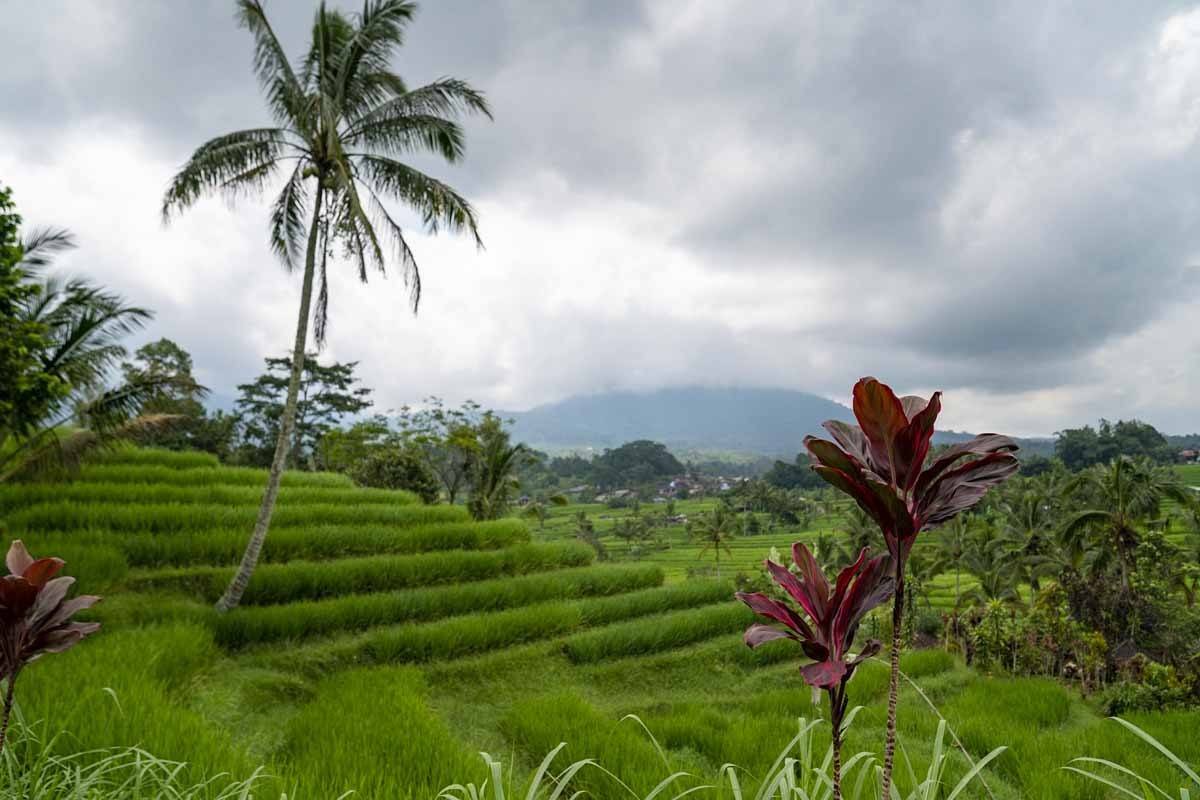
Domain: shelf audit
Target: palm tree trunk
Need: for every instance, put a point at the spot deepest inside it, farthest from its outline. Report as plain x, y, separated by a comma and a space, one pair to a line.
889, 747
237, 587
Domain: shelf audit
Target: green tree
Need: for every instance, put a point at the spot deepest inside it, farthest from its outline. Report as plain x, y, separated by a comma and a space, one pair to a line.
585, 531
343, 119
493, 471
1122, 496
326, 394
62, 341
397, 467
168, 367
447, 439
343, 449
634, 463
715, 529
539, 508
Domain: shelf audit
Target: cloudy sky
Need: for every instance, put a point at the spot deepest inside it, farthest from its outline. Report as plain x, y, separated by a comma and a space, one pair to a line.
1001, 200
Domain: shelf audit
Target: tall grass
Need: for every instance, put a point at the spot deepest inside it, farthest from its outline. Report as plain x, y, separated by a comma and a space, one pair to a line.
483, 633
313, 580
19, 495
208, 476
213, 547
173, 459
656, 633
252, 625
370, 731
170, 518
120, 691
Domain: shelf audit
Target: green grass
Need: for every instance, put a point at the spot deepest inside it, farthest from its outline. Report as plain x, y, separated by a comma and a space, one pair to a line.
249, 626
207, 476
215, 547
657, 633
165, 518
372, 732
313, 580
16, 496
150, 456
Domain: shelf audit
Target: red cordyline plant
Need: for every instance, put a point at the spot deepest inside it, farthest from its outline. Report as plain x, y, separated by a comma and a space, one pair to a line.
835, 611
35, 617
884, 463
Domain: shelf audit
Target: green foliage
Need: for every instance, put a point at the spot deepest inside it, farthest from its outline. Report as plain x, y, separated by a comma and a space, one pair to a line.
797, 475
371, 731
493, 470
327, 393
445, 529
656, 633
17, 495
1079, 448
397, 468
313, 580
253, 625
633, 463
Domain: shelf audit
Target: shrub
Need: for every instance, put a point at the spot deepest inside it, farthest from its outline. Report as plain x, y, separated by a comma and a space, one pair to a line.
398, 469
311, 580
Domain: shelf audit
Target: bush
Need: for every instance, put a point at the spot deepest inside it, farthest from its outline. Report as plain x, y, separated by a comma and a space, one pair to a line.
398, 469
313, 580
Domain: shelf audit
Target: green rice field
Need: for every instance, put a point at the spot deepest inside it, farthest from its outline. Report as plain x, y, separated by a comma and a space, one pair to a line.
383, 644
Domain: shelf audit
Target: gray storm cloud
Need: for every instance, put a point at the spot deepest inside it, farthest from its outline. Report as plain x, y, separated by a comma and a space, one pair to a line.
998, 199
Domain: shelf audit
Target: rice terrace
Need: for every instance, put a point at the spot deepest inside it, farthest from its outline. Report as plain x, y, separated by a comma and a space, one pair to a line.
260, 542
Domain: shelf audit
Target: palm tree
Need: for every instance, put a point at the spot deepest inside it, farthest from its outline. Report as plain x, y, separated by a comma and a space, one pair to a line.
82, 326
539, 508
342, 120
585, 531
951, 542
1026, 531
715, 529
861, 531
996, 572
1123, 494
494, 475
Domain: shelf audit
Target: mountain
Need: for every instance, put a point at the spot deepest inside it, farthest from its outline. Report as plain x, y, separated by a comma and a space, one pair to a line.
768, 421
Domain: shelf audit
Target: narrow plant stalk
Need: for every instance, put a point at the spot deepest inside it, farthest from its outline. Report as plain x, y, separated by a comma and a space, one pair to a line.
837, 708
889, 747
8, 704
237, 586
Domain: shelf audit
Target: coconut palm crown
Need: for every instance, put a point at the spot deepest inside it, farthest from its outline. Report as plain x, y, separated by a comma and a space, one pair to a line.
342, 122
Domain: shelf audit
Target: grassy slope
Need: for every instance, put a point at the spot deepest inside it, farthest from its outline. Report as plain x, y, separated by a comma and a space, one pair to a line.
516, 681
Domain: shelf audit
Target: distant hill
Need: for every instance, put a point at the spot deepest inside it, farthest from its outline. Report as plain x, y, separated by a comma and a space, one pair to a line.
764, 421
771, 421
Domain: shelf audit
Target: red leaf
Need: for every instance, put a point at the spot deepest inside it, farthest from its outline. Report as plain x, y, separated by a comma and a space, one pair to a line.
814, 580
795, 589
764, 606
961, 488
758, 634
982, 445
912, 444
881, 417
824, 674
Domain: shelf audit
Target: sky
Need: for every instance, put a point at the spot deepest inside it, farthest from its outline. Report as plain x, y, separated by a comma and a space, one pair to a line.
999, 200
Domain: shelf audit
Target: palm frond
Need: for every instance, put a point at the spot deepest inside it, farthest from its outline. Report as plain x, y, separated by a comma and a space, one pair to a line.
368, 53
229, 161
439, 205
42, 244
284, 92
288, 215
448, 98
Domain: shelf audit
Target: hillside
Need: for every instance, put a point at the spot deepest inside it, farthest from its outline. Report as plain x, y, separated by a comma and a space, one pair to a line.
770, 422
383, 643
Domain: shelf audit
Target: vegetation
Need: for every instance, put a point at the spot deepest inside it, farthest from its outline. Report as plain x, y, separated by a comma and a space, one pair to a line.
342, 117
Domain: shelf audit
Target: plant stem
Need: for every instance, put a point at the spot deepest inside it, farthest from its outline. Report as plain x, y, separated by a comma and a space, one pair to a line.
889, 748
837, 706
8, 704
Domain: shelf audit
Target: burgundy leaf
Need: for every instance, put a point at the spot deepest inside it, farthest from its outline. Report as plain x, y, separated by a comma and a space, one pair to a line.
851, 439
824, 674
42, 570
961, 488
814, 579
982, 445
881, 417
764, 606
912, 444
758, 634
